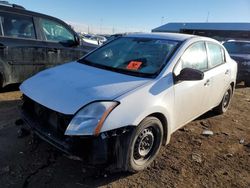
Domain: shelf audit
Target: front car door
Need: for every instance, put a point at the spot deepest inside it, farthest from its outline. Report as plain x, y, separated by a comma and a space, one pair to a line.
191, 96
60, 40
23, 54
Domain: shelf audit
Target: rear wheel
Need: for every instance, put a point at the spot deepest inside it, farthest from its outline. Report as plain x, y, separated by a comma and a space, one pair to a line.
144, 144
225, 102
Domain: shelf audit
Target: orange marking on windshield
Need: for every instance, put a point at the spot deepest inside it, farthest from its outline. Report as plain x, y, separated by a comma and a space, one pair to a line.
134, 65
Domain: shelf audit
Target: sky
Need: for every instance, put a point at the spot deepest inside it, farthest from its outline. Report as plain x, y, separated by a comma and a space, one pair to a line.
113, 16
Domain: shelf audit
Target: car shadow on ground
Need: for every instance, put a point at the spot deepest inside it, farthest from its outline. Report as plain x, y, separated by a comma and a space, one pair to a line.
8, 111
207, 115
56, 170
9, 88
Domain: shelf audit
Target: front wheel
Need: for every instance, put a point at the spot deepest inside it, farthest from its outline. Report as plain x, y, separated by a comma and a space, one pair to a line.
144, 144
224, 104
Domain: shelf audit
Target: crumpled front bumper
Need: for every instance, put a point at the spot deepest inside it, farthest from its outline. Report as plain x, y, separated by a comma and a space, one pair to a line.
91, 150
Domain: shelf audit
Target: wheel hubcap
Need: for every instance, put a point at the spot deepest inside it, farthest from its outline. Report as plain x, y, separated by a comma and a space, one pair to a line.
144, 144
226, 99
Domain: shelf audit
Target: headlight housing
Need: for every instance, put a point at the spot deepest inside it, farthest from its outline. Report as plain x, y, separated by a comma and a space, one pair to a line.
89, 120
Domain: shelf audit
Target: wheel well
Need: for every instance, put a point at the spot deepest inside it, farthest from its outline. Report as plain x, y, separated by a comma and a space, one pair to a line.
232, 85
164, 122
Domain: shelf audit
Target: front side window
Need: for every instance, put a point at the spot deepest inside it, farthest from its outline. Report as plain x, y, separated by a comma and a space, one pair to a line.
56, 32
138, 56
17, 26
215, 54
195, 57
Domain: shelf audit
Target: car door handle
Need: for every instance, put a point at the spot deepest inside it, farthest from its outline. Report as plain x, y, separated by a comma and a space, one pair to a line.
227, 71
207, 83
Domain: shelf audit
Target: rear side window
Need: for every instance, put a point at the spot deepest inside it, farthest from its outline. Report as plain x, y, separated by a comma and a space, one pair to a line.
17, 26
54, 31
195, 57
215, 54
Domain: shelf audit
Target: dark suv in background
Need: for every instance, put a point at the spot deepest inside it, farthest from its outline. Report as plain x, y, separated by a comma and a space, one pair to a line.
31, 42
240, 52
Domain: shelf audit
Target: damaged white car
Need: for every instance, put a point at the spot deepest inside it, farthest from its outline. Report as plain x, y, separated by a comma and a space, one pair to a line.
120, 103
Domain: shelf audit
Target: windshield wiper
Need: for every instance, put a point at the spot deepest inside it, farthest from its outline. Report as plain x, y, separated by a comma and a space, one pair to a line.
90, 63
84, 61
128, 72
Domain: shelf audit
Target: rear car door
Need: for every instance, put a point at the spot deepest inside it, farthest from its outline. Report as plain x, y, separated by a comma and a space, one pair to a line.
60, 41
191, 96
220, 71
22, 54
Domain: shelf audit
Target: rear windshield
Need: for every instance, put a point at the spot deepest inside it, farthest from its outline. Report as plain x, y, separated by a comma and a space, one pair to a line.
237, 47
136, 56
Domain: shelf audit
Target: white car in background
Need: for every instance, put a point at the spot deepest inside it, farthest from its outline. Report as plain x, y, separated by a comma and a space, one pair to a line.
95, 39
119, 104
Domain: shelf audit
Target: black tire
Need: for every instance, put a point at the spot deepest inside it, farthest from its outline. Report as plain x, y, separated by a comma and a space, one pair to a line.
225, 102
143, 145
247, 83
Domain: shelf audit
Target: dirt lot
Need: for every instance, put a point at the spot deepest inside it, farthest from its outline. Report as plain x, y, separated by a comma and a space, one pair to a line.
190, 160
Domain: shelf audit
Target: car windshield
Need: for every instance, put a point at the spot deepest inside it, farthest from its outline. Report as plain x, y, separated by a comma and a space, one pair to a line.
237, 47
135, 56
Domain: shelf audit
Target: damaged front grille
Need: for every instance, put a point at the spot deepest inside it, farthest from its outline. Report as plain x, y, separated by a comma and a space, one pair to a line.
52, 120
51, 126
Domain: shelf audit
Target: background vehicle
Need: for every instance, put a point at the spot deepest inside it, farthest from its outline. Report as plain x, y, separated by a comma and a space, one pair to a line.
240, 52
31, 42
114, 36
94, 39
121, 102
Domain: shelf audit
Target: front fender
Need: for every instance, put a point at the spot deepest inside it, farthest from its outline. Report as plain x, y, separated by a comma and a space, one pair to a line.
135, 106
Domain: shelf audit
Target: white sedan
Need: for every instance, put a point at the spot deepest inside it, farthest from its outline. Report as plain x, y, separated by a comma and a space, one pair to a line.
120, 103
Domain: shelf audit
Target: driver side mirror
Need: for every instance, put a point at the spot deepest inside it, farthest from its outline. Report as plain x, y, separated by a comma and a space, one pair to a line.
189, 74
77, 40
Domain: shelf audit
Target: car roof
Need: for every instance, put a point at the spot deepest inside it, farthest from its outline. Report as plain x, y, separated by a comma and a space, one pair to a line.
235, 41
168, 36
18, 10
22, 10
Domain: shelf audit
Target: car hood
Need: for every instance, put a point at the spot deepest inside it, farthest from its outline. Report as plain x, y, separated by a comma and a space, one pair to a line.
69, 87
